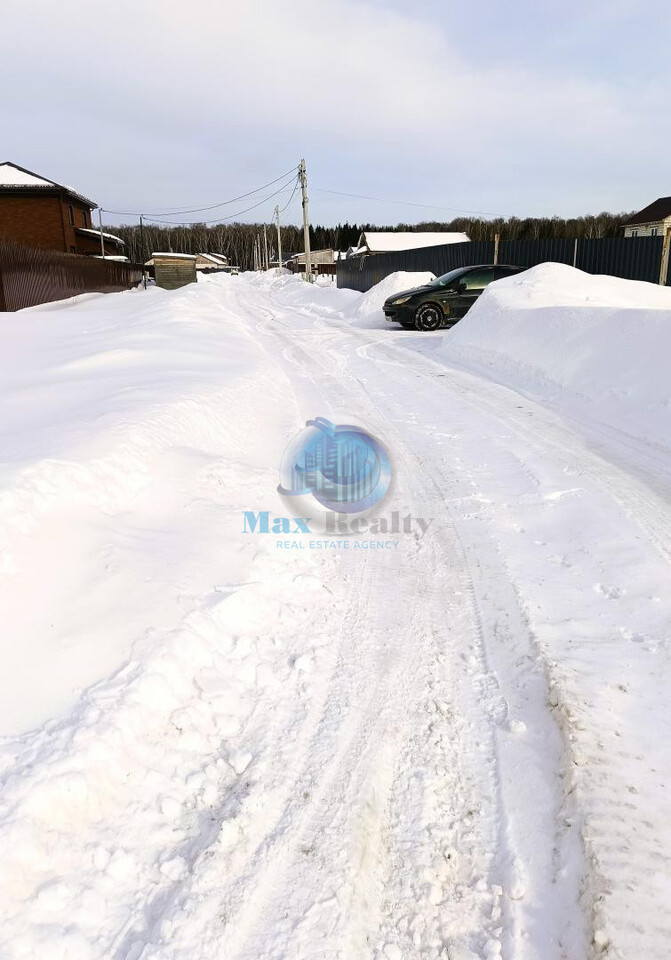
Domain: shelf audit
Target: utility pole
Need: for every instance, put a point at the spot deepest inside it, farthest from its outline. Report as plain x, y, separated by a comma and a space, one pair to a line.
100, 224
144, 272
303, 177
279, 239
664, 264
265, 246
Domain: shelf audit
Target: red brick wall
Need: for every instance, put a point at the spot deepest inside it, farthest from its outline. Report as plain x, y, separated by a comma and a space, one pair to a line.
73, 239
33, 221
42, 221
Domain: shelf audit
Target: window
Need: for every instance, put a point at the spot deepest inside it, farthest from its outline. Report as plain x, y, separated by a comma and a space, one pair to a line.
506, 272
72, 215
84, 217
448, 279
653, 231
478, 279
634, 233
73, 249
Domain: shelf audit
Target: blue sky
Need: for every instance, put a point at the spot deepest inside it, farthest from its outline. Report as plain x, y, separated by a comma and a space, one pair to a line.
520, 108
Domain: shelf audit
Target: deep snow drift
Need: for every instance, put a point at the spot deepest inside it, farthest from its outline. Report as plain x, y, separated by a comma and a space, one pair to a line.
558, 331
215, 746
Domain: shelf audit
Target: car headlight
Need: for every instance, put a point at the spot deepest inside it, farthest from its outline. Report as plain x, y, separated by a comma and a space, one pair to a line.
397, 303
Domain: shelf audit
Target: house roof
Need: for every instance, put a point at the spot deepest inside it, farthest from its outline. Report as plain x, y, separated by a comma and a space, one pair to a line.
14, 177
218, 259
96, 233
659, 209
174, 256
385, 242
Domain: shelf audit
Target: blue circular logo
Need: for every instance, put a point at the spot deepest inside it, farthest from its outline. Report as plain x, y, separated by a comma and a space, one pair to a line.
343, 467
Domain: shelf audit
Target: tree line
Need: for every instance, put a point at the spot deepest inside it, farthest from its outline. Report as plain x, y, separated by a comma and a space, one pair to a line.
236, 240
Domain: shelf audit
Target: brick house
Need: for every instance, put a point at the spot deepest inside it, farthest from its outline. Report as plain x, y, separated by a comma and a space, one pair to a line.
42, 213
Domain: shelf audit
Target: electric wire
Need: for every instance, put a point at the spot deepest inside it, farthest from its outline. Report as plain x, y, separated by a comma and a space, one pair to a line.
239, 213
213, 206
293, 194
408, 203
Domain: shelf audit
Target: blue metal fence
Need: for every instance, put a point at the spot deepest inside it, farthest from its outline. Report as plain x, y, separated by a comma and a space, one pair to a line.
634, 258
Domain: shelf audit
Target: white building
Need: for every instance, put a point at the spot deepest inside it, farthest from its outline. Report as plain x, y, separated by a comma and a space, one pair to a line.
652, 221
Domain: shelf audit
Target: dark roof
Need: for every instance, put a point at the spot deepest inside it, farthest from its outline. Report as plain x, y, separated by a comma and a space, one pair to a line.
658, 210
45, 187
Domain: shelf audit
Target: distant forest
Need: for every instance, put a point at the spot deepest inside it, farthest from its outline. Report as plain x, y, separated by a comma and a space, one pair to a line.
236, 240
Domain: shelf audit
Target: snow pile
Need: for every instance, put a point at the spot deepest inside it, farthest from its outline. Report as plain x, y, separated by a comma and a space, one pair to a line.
369, 308
566, 334
142, 631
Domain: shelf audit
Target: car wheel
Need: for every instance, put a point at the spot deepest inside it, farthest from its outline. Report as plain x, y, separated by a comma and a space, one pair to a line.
428, 317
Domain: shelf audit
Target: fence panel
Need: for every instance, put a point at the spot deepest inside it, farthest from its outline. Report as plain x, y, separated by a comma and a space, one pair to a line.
30, 276
529, 253
634, 258
362, 273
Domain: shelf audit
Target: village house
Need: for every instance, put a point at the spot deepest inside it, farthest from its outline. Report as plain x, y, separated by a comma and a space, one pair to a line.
211, 262
38, 212
652, 221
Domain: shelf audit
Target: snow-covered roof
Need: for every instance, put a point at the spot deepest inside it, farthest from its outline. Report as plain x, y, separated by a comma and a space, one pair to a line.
11, 175
96, 233
116, 257
216, 258
384, 242
182, 256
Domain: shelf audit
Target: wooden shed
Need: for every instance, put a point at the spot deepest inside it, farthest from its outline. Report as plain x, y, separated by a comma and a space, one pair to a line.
174, 269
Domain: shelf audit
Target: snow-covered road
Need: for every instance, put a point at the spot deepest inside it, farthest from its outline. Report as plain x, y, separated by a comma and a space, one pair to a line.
451, 748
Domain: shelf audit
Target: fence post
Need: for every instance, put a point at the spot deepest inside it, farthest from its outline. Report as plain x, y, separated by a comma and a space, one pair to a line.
575, 252
496, 248
664, 263
3, 305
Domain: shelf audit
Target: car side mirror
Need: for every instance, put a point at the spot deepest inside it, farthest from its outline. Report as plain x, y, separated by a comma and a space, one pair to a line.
461, 286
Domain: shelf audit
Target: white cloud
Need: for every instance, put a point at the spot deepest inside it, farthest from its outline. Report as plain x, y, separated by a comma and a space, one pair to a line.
226, 87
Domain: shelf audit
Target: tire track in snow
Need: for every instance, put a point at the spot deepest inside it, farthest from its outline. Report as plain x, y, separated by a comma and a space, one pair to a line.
513, 934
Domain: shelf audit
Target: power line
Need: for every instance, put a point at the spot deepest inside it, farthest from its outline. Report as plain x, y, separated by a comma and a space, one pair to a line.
213, 206
293, 194
407, 203
221, 219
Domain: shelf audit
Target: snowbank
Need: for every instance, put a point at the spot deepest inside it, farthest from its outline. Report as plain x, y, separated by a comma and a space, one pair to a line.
569, 335
369, 309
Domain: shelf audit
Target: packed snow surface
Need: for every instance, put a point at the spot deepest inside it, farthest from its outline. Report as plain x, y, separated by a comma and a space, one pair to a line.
446, 745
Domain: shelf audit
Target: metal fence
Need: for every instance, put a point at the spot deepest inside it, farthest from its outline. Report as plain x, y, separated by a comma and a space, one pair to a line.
30, 276
634, 258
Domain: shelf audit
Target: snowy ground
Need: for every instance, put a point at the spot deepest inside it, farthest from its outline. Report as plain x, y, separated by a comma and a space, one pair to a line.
214, 747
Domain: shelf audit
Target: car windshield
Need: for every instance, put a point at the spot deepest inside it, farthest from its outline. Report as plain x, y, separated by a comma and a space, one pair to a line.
448, 278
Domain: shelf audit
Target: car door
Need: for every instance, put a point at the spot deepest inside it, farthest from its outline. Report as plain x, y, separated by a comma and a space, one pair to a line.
472, 285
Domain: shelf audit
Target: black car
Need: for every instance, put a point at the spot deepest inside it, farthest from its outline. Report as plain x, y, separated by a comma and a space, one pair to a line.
445, 300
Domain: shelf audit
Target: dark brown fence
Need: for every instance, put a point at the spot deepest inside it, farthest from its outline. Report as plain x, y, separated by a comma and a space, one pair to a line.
634, 258
29, 276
